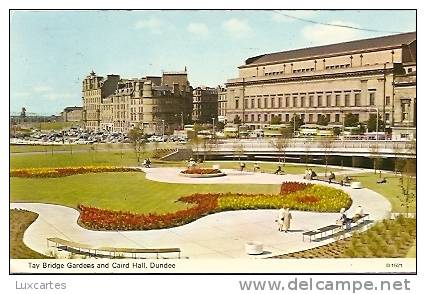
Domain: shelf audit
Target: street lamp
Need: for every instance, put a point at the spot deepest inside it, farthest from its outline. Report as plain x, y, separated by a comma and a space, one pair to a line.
213, 127
163, 126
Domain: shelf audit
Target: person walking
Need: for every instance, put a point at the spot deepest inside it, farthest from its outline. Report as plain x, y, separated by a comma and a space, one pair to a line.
287, 219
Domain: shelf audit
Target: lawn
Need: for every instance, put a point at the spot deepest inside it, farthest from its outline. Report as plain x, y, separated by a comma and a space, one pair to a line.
118, 191
90, 158
20, 220
391, 189
269, 167
126, 157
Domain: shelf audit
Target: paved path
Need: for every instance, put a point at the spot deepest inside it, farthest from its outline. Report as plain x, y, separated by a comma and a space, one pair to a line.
221, 235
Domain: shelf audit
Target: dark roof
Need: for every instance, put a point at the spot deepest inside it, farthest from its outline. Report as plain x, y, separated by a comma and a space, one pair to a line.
359, 45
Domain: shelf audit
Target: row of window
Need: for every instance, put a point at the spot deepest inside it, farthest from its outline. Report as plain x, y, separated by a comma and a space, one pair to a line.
307, 118
336, 100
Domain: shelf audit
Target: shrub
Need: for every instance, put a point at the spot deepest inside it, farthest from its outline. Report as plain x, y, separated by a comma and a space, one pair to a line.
201, 171
290, 187
67, 171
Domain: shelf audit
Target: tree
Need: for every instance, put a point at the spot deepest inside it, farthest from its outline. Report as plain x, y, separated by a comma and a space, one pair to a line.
322, 120
351, 120
220, 125
375, 156
238, 150
407, 183
237, 120
281, 143
275, 120
327, 144
372, 123
296, 122
138, 140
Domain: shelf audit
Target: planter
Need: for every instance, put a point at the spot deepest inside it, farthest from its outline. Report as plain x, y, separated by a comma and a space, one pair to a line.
254, 248
356, 185
202, 175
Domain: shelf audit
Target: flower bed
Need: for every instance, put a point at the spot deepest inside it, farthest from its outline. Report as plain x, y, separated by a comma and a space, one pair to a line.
290, 187
201, 171
67, 171
311, 198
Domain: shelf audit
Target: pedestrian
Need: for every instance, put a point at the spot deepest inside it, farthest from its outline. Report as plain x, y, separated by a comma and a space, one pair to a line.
344, 220
278, 170
256, 167
242, 166
286, 220
280, 220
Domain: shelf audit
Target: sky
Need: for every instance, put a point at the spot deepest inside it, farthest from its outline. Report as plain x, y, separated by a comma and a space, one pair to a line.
51, 52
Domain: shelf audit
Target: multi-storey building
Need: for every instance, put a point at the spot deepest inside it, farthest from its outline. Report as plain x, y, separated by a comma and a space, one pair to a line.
221, 111
167, 106
156, 103
204, 104
95, 90
72, 114
353, 77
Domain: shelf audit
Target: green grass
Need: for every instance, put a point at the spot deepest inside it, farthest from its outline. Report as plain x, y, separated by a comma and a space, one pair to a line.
68, 148
114, 157
118, 191
391, 189
269, 167
91, 158
20, 220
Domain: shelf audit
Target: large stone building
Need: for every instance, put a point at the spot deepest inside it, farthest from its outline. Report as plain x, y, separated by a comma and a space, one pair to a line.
204, 104
95, 90
72, 114
221, 111
359, 77
157, 103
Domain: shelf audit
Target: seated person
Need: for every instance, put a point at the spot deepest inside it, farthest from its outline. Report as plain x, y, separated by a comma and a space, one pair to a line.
381, 181
256, 167
242, 166
278, 170
331, 177
313, 175
344, 220
359, 213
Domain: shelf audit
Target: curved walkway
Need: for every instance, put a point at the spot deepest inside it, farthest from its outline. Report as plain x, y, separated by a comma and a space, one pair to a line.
220, 235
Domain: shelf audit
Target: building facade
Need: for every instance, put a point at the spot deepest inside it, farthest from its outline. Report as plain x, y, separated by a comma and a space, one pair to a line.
95, 90
353, 77
221, 111
156, 103
72, 114
204, 104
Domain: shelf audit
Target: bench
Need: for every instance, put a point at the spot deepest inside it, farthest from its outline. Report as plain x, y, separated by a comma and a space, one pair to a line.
75, 247
322, 230
331, 228
334, 181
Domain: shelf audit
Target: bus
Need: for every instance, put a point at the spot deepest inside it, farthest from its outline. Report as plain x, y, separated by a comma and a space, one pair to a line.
230, 131
308, 130
325, 131
274, 130
243, 131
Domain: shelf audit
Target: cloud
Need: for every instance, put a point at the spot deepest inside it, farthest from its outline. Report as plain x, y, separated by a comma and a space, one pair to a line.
57, 96
199, 29
39, 89
277, 17
237, 27
152, 24
320, 34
